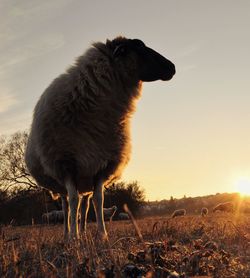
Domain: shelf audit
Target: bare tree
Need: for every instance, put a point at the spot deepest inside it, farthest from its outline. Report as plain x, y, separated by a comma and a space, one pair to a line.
13, 172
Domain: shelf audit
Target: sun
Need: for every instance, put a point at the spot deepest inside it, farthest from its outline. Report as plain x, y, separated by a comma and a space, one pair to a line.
242, 186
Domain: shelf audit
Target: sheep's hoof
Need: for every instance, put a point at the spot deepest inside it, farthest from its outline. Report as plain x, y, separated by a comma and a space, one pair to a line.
83, 235
102, 235
73, 237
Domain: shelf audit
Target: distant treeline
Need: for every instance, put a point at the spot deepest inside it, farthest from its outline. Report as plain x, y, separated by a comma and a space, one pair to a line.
27, 207
193, 205
24, 207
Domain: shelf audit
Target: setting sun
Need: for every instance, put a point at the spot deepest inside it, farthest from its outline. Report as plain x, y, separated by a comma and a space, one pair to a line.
242, 185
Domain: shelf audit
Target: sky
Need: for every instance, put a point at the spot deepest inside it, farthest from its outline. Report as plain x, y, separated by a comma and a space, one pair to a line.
191, 135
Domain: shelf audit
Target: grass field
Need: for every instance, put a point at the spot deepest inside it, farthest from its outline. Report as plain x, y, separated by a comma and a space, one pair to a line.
189, 246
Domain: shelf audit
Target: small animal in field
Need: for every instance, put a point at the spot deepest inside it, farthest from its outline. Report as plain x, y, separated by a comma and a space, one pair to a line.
60, 216
123, 216
50, 217
79, 141
109, 213
53, 217
204, 211
178, 212
224, 207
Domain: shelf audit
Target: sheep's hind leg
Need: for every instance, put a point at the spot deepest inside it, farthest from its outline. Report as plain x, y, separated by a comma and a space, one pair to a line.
73, 208
98, 198
84, 212
65, 208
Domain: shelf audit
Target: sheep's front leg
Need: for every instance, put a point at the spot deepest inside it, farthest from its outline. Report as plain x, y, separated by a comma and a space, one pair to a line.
65, 208
98, 198
73, 208
84, 212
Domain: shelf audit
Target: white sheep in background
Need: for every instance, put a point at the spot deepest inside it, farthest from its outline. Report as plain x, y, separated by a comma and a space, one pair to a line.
55, 216
224, 207
178, 212
59, 216
123, 216
80, 135
49, 217
109, 213
204, 211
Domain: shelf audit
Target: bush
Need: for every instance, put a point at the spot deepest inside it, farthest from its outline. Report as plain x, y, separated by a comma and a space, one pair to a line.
121, 193
23, 206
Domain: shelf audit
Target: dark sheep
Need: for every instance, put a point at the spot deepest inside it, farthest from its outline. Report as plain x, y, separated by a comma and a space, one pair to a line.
54, 216
178, 212
109, 213
204, 211
80, 135
123, 216
224, 207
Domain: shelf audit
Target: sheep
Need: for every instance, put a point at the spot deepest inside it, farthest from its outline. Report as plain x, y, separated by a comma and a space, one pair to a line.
224, 207
45, 218
59, 216
49, 217
79, 142
54, 216
178, 212
123, 216
109, 213
204, 211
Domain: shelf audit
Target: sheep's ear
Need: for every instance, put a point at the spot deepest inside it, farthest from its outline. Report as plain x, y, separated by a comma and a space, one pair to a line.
120, 50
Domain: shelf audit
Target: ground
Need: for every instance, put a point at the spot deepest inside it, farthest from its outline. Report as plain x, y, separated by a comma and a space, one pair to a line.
188, 246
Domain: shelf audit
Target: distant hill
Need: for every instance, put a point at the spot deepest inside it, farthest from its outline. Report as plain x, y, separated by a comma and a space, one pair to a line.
193, 205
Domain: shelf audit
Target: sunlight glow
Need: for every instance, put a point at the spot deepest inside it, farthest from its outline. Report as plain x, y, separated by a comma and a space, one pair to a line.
242, 186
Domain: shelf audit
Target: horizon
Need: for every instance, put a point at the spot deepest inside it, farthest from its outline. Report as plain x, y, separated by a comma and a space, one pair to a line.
242, 197
190, 135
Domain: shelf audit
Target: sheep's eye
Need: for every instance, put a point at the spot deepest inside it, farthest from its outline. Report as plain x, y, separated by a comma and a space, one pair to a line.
138, 43
120, 50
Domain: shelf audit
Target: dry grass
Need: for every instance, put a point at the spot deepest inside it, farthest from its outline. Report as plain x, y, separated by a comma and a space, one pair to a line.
217, 246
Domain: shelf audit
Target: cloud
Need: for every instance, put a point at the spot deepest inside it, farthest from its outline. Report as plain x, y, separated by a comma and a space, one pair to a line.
186, 68
13, 12
7, 101
22, 32
190, 49
15, 122
19, 17
24, 37
37, 48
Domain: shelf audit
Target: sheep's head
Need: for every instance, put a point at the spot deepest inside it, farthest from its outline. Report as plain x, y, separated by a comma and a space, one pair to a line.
140, 61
